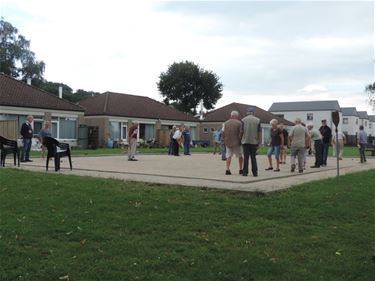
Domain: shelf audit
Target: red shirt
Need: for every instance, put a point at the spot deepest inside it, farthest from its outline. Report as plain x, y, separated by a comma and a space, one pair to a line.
132, 132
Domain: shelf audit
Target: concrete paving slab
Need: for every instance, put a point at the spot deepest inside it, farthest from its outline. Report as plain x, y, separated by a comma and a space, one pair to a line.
201, 170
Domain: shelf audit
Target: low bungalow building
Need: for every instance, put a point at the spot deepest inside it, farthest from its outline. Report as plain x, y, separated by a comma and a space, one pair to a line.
308, 111
19, 99
214, 120
112, 114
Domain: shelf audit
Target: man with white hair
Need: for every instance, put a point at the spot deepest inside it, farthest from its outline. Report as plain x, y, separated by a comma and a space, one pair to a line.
316, 137
27, 136
232, 135
275, 144
299, 139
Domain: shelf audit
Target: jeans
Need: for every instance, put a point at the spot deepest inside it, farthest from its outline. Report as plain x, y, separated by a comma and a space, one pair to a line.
325, 147
250, 150
318, 152
25, 154
223, 151
362, 147
187, 148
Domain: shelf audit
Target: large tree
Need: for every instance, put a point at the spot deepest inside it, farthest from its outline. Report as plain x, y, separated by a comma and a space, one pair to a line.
185, 84
370, 89
16, 58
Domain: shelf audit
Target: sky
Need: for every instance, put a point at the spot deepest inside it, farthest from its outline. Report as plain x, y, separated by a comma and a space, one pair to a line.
263, 51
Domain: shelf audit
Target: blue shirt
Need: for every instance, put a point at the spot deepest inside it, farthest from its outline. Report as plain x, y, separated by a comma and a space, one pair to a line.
186, 135
216, 136
362, 137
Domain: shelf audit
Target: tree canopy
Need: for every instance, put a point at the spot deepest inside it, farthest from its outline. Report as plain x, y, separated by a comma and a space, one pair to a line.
16, 58
185, 84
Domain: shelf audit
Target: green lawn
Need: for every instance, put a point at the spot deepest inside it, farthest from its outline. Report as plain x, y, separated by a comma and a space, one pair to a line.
55, 227
348, 151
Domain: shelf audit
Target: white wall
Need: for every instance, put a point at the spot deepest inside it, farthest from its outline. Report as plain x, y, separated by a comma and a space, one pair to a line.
318, 116
352, 128
365, 124
371, 131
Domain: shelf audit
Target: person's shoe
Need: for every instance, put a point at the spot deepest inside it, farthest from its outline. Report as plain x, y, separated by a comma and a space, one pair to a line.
315, 166
255, 174
23, 161
293, 168
28, 160
244, 175
225, 159
324, 165
240, 172
300, 171
227, 172
340, 158
276, 170
269, 169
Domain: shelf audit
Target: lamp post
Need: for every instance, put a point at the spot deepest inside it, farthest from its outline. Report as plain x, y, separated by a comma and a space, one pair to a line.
336, 121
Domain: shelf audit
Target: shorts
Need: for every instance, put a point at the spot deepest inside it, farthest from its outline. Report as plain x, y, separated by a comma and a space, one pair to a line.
274, 149
237, 150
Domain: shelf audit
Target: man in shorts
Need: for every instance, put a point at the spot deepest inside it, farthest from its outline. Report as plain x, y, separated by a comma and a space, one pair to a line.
232, 139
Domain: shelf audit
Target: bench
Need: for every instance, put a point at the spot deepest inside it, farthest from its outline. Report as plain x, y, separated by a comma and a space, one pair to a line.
9, 147
371, 148
203, 143
57, 150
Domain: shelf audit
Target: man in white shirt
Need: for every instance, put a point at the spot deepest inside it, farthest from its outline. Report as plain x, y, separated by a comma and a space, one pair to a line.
339, 145
176, 139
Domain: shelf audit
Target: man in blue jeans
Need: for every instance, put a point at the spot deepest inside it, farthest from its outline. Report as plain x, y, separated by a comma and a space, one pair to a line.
326, 133
27, 135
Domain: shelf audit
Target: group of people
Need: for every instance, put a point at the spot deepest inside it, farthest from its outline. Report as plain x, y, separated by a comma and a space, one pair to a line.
242, 138
179, 135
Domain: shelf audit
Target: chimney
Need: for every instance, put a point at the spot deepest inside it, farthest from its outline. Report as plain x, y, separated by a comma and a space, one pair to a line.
60, 92
29, 81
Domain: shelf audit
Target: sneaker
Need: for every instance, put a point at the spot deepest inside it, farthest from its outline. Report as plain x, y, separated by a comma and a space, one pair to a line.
293, 168
244, 175
300, 171
227, 172
28, 160
276, 170
315, 166
269, 169
255, 174
240, 172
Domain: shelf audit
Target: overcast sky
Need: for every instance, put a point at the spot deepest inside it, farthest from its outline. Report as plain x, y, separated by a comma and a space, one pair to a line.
263, 52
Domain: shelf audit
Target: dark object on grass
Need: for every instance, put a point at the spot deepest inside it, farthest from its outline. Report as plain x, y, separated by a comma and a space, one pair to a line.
57, 150
7, 147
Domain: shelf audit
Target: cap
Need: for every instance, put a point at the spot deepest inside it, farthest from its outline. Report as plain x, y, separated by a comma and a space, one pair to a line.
250, 110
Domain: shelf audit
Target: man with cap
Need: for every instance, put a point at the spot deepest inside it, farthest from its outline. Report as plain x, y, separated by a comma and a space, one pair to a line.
250, 141
326, 133
316, 138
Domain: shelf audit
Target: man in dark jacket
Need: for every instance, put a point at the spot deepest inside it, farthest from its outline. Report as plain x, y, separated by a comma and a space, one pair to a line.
326, 133
27, 135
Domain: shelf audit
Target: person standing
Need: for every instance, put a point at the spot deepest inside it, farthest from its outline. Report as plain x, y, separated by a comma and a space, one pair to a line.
223, 151
251, 131
232, 139
340, 145
362, 143
186, 140
132, 136
283, 149
171, 133
298, 138
216, 139
176, 141
326, 133
45, 132
316, 138
27, 136
276, 142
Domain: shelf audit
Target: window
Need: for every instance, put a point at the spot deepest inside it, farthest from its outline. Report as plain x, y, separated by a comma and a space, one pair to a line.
114, 130
370, 126
55, 129
365, 123
38, 125
345, 120
205, 130
356, 121
146, 131
67, 128
309, 117
124, 131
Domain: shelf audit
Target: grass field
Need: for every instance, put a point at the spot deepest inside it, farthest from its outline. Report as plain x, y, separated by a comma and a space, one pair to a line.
348, 151
58, 227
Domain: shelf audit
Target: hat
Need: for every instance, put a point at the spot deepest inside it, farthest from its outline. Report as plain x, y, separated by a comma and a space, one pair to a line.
324, 120
250, 110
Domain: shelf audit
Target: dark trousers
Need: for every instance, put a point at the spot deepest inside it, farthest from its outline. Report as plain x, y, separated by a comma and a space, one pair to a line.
325, 147
170, 148
175, 147
25, 154
318, 152
250, 150
362, 147
187, 148
223, 151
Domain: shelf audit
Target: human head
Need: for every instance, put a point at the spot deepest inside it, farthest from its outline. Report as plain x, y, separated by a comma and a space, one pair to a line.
310, 126
47, 124
298, 121
30, 118
361, 127
281, 126
250, 111
324, 122
234, 114
274, 123
135, 122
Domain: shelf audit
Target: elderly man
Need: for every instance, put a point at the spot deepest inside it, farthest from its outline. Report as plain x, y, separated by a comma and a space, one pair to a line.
327, 136
275, 144
299, 139
232, 139
27, 135
250, 141
132, 137
316, 138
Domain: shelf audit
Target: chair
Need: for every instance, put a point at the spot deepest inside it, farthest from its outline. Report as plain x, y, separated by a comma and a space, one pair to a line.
7, 147
56, 150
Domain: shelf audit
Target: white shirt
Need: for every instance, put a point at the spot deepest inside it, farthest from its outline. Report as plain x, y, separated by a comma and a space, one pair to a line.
177, 134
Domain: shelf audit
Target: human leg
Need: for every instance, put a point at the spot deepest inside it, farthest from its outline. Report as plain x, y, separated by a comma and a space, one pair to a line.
254, 166
246, 153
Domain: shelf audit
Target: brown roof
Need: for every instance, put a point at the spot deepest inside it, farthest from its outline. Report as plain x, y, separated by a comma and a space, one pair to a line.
17, 93
223, 113
124, 105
